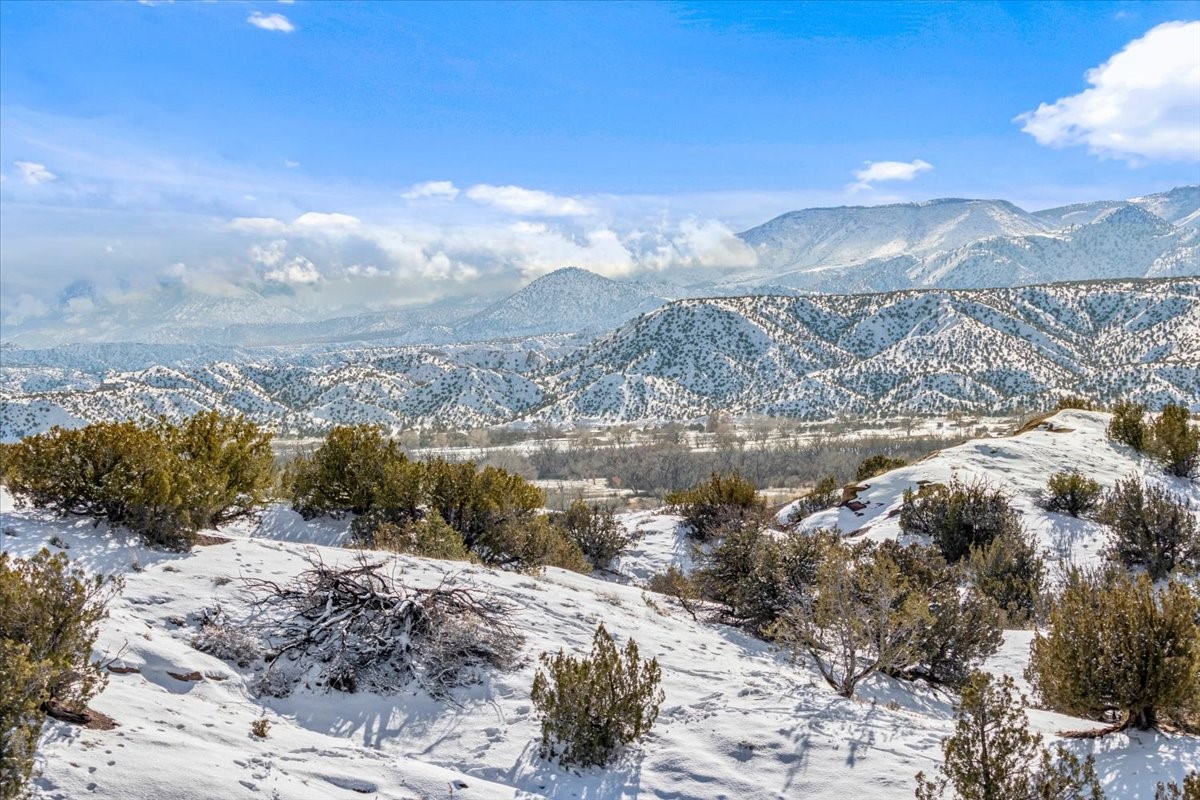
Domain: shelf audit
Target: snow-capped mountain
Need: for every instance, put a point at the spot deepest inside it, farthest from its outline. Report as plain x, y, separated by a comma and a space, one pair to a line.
1152, 236
909, 352
568, 300
819, 237
1179, 206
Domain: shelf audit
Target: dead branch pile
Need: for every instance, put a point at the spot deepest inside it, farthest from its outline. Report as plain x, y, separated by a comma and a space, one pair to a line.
358, 627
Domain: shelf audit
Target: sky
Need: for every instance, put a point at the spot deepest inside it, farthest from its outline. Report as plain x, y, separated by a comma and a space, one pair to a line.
368, 155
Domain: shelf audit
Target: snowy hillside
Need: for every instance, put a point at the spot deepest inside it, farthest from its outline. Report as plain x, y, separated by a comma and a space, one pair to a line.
568, 300
739, 720
907, 352
815, 357
1093, 241
836, 236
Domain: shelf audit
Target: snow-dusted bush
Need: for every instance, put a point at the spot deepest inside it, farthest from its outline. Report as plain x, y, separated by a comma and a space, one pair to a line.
1012, 572
755, 576
963, 626
592, 707
1128, 424
1069, 492
1174, 441
225, 639
1150, 528
49, 619
1190, 790
596, 531
825, 493
162, 480
1118, 650
713, 506
959, 516
864, 617
992, 755
358, 627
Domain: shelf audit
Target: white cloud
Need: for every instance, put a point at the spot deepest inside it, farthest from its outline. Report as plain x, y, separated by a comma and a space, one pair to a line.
287, 162
33, 173
271, 22
518, 200
299, 270
263, 225
1143, 104
323, 222
876, 171
431, 189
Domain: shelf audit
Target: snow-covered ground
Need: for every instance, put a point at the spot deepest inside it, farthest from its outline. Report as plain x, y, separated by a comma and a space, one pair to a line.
740, 721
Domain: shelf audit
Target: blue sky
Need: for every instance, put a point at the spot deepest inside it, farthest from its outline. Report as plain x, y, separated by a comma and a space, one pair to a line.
142, 142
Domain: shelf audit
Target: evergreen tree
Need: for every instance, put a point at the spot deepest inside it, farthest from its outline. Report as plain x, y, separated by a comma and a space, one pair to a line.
1174, 442
594, 706
1150, 528
1118, 650
1128, 425
959, 516
992, 755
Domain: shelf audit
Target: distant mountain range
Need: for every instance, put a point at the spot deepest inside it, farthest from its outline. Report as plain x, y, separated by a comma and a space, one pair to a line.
816, 356
949, 243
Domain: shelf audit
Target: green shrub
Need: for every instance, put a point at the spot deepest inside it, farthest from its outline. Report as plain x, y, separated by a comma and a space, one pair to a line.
1118, 650
592, 707
49, 620
963, 625
825, 494
877, 465
1128, 425
527, 545
1150, 528
428, 537
674, 582
1068, 492
1076, 402
992, 755
1174, 442
596, 531
22, 694
864, 617
477, 502
755, 577
712, 507
958, 517
1011, 572
161, 480
355, 470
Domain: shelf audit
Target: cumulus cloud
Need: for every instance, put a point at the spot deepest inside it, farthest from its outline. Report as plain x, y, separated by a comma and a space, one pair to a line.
519, 200
328, 222
876, 171
33, 173
296, 271
1143, 103
445, 190
271, 22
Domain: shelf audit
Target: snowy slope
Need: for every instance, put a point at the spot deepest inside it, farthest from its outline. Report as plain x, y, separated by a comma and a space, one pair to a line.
739, 722
568, 300
1020, 465
912, 352
851, 234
